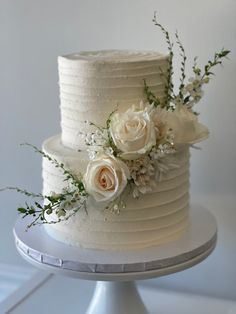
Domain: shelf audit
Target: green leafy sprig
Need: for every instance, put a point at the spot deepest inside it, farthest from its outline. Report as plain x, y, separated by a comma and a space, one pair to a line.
183, 65
216, 60
63, 205
190, 93
22, 191
38, 210
53, 206
110, 139
76, 181
169, 88
152, 99
203, 76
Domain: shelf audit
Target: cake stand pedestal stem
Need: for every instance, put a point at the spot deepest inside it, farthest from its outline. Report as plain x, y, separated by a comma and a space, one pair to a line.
116, 298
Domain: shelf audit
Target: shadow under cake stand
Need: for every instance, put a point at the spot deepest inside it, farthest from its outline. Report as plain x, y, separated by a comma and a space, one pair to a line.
116, 271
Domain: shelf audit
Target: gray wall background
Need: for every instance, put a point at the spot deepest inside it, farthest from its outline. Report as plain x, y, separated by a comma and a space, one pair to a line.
34, 33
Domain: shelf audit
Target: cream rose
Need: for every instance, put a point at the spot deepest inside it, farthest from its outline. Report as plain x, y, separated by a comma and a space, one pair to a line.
185, 126
105, 178
133, 132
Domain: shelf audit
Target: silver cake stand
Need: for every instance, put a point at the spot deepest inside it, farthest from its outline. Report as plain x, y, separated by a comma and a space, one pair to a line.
116, 272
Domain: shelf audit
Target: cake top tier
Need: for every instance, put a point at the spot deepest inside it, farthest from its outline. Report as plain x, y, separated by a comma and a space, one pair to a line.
94, 83
112, 56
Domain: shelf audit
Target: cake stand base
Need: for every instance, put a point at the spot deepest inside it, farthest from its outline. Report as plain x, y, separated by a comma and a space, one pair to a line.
116, 271
116, 298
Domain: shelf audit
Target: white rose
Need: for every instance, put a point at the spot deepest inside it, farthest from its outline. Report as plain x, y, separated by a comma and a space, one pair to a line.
185, 125
133, 132
105, 178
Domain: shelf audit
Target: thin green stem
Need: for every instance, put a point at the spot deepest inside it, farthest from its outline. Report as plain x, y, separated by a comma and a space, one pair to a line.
22, 191
183, 64
169, 85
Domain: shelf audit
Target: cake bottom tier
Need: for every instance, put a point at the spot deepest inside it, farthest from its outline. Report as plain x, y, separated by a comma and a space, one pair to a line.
154, 218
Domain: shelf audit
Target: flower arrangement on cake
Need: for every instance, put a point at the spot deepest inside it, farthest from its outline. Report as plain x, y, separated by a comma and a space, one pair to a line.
131, 152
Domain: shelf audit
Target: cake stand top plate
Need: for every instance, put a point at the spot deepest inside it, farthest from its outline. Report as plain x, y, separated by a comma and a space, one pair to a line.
38, 248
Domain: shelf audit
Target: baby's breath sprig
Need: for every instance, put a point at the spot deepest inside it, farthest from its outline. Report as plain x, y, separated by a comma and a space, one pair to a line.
116, 205
100, 141
169, 88
100, 128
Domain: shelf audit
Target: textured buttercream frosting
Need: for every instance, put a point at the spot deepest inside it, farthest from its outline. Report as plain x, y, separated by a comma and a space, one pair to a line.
152, 219
93, 84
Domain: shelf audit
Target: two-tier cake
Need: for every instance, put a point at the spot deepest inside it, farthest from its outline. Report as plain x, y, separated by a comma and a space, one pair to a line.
92, 85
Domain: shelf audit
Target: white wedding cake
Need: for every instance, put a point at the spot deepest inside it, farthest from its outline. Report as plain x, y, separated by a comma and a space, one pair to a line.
92, 85
117, 177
